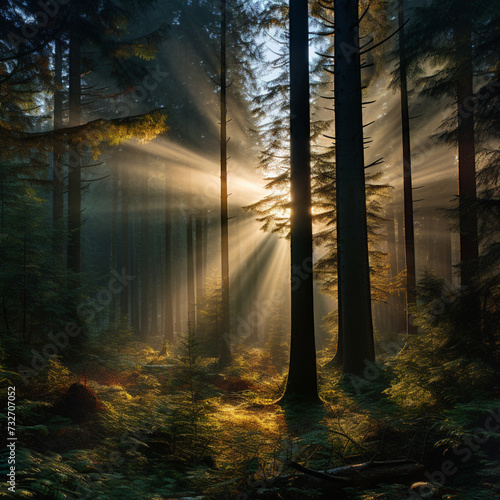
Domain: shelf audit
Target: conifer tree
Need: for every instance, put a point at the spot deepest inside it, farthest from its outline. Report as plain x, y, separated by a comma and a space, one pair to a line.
352, 239
302, 378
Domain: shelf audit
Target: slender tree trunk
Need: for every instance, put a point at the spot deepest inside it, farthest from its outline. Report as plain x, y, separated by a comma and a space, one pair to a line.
144, 256
124, 296
58, 178
302, 377
178, 313
199, 265
411, 283
114, 237
469, 240
134, 264
190, 276
251, 294
74, 159
154, 288
168, 325
224, 347
205, 251
466, 160
351, 201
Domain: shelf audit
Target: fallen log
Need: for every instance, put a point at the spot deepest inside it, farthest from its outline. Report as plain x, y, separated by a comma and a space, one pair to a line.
366, 474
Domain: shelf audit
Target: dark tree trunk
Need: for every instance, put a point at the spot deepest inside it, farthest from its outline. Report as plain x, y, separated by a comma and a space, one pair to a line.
351, 202
154, 288
224, 344
205, 249
74, 159
124, 297
338, 359
134, 264
199, 265
469, 242
178, 288
58, 177
144, 256
114, 238
407, 179
168, 325
190, 276
466, 159
302, 377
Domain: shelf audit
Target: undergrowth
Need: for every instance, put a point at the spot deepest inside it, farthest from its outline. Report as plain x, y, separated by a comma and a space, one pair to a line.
164, 426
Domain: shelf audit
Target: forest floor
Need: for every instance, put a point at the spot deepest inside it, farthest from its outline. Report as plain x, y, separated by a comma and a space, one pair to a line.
141, 426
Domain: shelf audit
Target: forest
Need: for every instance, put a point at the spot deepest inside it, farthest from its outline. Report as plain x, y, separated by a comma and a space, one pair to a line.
250, 249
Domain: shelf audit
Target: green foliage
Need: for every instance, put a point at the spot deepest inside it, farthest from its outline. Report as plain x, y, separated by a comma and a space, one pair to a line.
441, 365
51, 381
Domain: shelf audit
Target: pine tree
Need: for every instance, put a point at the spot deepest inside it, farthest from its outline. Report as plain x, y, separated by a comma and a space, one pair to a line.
352, 240
302, 378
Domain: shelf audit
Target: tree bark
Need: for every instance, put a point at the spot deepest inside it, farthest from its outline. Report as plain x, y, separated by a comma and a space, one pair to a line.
144, 255
136, 271
351, 201
74, 159
224, 344
411, 283
58, 152
168, 325
124, 296
199, 265
466, 159
114, 237
302, 376
190, 276
469, 249
154, 287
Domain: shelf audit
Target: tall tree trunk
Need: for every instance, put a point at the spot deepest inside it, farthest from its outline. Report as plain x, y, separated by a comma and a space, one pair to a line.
224, 344
154, 288
302, 377
411, 283
178, 312
466, 158
190, 276
469, 241
351, 201
205, 250
134, 265
144, 254
114, 237
58, 178
168, 325
199, 265
124, 296
74, 159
